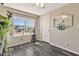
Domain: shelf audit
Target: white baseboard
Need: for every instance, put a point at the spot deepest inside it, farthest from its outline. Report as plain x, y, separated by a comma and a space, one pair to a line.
64, 48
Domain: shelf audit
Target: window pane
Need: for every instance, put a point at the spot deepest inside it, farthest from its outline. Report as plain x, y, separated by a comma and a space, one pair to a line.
18, 21
29, 24
23, 25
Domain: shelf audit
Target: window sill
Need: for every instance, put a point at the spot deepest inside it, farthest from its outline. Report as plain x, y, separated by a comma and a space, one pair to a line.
22, 34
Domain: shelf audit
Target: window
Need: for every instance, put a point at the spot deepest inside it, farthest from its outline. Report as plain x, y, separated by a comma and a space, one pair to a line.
23, 25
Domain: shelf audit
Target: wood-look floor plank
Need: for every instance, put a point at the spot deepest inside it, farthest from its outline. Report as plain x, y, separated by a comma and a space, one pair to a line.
39, 49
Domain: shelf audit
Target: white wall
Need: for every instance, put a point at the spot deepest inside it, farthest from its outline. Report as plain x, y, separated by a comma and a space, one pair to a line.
69, 38
44, 22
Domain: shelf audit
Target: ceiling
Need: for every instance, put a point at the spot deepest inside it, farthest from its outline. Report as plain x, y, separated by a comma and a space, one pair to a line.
29, 7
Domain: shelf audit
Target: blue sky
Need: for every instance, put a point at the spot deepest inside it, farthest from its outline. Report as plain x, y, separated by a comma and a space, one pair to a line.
21, 21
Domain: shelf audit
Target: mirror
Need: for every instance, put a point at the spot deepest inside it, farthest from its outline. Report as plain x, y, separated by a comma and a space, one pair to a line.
63, 22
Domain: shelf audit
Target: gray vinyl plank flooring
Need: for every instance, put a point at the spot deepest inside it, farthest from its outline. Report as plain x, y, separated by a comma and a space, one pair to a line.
40, 49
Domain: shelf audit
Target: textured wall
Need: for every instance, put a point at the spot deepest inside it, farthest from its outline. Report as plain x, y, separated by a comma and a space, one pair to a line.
69, 38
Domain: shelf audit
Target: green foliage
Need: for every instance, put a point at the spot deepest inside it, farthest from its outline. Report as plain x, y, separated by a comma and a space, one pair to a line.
4, 25
4, 29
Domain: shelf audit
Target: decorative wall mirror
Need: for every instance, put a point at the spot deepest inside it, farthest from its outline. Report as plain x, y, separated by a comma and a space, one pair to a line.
63, 22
